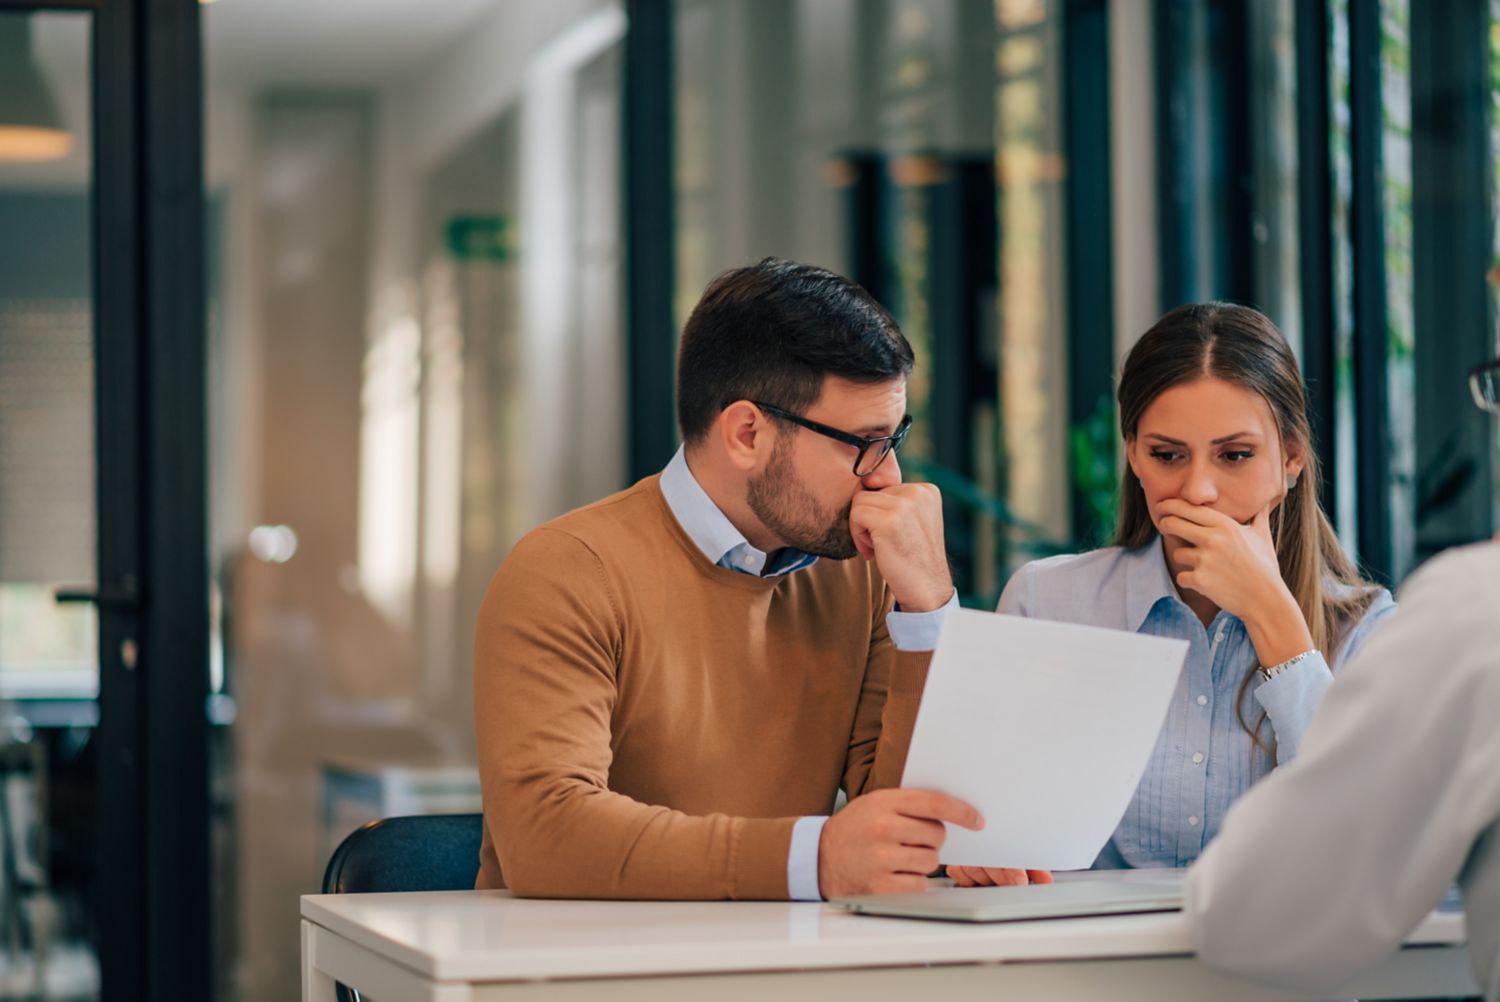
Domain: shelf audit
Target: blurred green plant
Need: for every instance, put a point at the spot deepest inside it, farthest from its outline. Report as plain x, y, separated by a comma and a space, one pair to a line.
1096, 476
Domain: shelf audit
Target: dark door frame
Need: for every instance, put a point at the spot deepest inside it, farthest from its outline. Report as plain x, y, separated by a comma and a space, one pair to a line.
650, 235
152, 893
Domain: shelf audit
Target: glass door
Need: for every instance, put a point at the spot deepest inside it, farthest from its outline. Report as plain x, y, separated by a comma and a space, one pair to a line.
104, 847
49, 668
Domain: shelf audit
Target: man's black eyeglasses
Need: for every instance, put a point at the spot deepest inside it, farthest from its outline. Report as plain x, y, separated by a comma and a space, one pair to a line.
1484, 383
872, 451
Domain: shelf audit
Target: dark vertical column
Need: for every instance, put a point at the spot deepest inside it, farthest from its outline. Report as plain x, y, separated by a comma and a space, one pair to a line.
963, 270
1203, 151
153, 884
174, 649
1087, 210
1229, 150
650, 235
120, 878
864, 221
1172, 39
1451, 170
1367, 235
1314, 209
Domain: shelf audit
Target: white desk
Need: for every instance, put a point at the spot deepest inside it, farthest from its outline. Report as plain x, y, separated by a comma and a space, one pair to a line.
466, 946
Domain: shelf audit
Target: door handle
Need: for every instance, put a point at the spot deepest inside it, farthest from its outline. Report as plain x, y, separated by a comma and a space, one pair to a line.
122, 597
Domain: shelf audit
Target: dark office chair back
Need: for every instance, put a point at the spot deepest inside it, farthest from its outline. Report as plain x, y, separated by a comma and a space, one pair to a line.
436, 852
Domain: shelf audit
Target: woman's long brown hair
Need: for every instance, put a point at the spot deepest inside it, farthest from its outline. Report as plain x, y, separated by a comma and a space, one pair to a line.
1240, 345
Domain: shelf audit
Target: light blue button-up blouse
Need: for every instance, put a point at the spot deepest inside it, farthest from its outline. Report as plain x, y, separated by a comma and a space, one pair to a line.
1204, 759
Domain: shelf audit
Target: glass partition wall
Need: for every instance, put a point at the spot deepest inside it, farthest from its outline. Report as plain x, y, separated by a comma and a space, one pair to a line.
49, 677
415, 356
914, 145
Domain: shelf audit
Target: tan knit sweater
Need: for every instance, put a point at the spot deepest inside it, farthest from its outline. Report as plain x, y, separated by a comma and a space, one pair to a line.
651, 725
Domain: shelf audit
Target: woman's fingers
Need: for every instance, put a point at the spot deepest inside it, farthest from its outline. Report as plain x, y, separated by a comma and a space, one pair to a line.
1195, 513
1193, 532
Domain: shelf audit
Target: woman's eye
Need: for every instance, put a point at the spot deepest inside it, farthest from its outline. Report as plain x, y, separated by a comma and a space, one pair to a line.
1238, 455
1165, 455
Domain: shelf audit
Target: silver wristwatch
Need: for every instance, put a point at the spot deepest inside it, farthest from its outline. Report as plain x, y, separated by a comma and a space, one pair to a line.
1266, 674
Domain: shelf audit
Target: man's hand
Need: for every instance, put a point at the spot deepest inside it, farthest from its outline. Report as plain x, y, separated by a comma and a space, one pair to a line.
887, 842
901, 529
990, 876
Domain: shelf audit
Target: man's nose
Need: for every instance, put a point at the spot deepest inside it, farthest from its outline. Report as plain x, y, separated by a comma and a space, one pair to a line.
887, 474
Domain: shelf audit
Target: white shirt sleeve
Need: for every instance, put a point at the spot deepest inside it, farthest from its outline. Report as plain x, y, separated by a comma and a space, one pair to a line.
1323, 868
918, 631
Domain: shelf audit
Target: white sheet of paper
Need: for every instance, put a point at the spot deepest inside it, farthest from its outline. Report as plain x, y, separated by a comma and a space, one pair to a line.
1045, 727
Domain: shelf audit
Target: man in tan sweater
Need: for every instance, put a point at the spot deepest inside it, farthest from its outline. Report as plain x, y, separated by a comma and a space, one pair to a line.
672, 684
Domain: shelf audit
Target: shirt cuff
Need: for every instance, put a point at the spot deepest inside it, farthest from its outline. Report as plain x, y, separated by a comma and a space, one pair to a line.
802, 860
917, 631
1291, 699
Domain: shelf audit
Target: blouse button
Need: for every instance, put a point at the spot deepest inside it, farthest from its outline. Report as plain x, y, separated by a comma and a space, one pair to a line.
1197, 758
1193, 820
1202, 700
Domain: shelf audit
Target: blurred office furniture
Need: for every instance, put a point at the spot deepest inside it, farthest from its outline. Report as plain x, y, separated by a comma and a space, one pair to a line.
438, 852
26, 910
356, 792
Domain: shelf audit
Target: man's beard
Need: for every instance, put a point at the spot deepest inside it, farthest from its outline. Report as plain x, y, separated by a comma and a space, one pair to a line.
788, 509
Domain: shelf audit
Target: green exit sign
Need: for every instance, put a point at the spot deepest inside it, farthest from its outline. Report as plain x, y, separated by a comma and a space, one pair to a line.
481, 238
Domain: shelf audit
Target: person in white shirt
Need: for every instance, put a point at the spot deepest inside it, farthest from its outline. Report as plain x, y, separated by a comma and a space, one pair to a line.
1324, 868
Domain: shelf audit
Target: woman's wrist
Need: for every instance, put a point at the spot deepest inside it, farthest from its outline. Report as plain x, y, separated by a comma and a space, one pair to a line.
1278, 630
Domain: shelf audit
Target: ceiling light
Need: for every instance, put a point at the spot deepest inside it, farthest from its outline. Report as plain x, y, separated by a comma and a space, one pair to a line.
30, 126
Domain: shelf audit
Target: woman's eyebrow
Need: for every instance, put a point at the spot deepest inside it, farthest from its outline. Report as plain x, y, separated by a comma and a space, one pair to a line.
1237, 436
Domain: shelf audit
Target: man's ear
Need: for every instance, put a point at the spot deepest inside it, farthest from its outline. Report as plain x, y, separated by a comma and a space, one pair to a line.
746, 435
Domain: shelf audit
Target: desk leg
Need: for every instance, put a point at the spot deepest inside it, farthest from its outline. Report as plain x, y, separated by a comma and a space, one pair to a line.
317, 986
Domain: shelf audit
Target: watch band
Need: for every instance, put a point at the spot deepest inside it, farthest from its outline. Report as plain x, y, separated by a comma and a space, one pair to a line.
1266, 674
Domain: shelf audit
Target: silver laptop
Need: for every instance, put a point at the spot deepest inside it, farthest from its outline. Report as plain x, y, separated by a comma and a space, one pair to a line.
1069, 899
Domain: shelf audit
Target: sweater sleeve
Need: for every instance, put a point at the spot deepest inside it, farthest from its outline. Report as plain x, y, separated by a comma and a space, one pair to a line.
887, 711
547, 646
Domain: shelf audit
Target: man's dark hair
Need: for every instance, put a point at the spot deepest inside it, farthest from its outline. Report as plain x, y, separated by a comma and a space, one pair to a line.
771, 331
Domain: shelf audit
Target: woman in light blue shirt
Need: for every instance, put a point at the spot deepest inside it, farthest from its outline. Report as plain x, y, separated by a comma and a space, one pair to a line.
1221, 542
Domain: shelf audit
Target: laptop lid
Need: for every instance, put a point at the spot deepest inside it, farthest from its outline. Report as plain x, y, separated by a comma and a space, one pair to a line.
1023, 903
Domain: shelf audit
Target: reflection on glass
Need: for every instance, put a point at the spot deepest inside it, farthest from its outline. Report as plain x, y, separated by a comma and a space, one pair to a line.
48, 651
1396, 179
1493, 63
912, 145
1030, 170
415, 357
1346, 518
1273, 146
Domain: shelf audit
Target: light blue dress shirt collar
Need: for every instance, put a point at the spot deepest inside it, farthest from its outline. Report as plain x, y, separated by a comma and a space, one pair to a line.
1148, 582
714, 534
